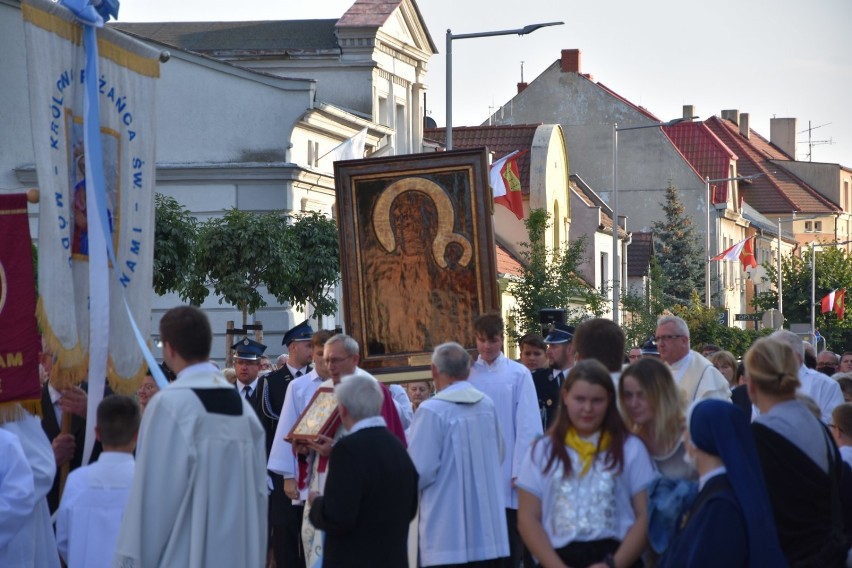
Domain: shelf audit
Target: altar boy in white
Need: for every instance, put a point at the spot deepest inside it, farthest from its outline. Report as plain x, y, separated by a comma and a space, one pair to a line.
95, 495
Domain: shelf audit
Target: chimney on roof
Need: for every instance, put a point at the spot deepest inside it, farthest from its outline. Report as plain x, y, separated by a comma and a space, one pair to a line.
745, 132
688, 112
731, 114
570, 61
782, 134
521, 86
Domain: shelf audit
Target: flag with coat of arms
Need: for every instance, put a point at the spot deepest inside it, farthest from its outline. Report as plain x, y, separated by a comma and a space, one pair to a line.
835, 301
506, 182
742, 251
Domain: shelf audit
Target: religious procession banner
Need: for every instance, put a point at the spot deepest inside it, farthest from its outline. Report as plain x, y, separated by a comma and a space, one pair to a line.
19, 343
92, 177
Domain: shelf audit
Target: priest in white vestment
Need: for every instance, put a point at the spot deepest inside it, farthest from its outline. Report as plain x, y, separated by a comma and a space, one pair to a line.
694, 375
199, 495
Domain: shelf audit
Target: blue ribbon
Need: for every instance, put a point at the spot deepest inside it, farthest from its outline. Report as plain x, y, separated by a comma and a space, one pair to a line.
93, 17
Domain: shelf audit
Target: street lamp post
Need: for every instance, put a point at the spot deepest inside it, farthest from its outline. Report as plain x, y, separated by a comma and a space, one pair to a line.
707, 182
815, 244
616, 277
780, 279
450, 37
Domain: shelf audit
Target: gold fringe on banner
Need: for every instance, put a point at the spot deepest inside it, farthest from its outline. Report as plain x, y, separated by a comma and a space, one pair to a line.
70, 366
125, 385
15, 410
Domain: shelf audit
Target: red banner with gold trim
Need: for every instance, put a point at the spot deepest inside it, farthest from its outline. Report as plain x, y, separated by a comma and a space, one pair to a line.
19, 339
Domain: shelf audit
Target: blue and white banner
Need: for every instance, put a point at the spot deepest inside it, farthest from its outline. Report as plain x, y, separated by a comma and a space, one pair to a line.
92, 177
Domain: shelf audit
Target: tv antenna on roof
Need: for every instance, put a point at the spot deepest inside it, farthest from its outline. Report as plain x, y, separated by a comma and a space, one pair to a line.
811, 143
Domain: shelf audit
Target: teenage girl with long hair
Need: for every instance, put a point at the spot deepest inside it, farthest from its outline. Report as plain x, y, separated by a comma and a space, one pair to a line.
653, 409
582, 499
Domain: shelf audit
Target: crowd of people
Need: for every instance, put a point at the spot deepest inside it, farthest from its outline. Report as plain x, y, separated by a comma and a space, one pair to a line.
584, 453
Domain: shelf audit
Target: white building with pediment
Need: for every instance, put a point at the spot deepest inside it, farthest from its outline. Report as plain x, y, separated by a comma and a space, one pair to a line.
247, 113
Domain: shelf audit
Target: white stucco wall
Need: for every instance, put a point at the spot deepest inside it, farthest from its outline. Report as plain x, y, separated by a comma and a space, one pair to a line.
16, 143
210, 112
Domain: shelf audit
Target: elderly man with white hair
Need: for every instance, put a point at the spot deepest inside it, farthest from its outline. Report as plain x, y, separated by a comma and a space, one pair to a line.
821, 388
694, 375
457, 448
370, 495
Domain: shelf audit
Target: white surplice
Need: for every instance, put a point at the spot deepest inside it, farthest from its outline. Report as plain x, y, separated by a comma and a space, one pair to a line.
89, 515
199, 496
17, 499
37, 533
509, 384
457, 449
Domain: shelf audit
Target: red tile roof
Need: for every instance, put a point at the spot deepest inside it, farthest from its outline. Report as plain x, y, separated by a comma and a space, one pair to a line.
777, 191
709, 156
501, 140
507, 263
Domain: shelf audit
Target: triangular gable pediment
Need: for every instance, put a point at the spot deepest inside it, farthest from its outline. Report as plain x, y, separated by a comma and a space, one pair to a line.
398, 24
407, 26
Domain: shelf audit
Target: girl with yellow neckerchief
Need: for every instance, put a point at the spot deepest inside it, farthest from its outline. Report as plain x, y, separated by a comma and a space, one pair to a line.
581, 498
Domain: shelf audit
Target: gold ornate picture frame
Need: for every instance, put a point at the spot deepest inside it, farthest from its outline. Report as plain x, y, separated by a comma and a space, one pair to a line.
319, 417
417, 254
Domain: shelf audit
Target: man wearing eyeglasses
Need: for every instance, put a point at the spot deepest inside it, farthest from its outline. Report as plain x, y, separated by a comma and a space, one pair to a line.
827, 362
341, 355
693, 374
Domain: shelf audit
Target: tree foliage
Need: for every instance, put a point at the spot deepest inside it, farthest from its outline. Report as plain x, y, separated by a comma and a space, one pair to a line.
549, 279
703, 322
241, 252
704, 327
175, 239
833, 271
316, 263
642, 310
678, 250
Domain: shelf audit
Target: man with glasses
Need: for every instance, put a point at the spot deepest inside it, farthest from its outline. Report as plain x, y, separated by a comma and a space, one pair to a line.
827, 362
693, 374
341, 355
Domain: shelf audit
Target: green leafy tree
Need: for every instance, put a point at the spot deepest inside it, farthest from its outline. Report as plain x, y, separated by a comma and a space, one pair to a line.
678, 251
704, 327
549, 280
316, 263
241, 252
175, 241
642, 310
833, 271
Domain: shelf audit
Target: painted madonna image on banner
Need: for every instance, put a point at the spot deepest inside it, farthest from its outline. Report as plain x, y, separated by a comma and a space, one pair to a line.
417, 246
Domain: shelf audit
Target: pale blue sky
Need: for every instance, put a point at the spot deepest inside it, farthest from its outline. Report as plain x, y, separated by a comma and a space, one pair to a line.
783, 58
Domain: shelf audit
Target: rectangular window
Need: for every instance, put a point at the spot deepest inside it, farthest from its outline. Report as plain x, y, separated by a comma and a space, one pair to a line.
817, 226
808, 226
604, 271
